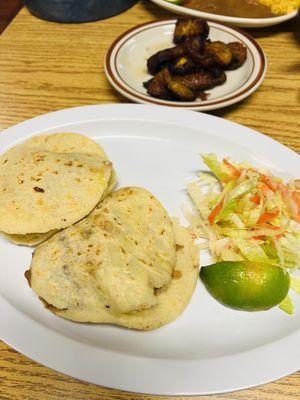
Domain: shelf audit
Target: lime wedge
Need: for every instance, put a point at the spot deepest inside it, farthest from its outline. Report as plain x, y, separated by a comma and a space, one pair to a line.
245, 285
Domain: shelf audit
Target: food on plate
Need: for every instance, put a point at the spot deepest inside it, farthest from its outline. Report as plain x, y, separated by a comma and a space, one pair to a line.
246, 214
176, 88
196, 82
241, 8
189, 27
196, 64
203, 81
127, 263
206, 54
183, 65
29, 239
239, 55
50, 182
156, 62
220, 53
156, 87
247, 286
281, 7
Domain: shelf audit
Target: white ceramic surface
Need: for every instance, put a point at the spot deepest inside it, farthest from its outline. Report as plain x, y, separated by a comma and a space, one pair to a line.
126, 65
209, 348
242, 22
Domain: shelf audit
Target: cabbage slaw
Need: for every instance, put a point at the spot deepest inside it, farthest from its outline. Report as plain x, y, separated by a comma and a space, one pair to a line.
247, 214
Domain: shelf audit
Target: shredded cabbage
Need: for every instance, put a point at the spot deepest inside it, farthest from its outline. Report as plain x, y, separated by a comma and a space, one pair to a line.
247, 214
287, 305
295, 284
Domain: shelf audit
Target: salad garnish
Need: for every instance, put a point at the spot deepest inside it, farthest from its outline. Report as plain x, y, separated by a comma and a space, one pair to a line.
247, 214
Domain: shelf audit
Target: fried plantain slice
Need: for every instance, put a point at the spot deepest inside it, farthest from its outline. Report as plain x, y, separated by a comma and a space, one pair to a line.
161, 59
202, 80
196, 64
216, 71
220, 51
183, 65
239, 55
189, 27
156, 87
178, 89
193, 48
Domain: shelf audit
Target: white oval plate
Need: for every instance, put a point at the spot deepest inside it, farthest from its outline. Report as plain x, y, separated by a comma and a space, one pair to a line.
209, 348
126, 65
242, 22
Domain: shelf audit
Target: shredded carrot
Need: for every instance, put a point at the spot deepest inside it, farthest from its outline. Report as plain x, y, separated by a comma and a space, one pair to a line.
270, 182
271, 227
255, 199
267, 217
265, 189
233, 170
212, 216
296, 198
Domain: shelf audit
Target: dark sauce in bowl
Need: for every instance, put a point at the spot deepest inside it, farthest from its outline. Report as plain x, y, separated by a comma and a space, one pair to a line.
231, 8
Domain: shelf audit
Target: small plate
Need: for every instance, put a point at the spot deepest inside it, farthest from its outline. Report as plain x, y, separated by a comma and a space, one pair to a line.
126, 65
242, 22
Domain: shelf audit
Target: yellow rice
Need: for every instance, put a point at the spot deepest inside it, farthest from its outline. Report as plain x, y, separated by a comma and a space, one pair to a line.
281, 6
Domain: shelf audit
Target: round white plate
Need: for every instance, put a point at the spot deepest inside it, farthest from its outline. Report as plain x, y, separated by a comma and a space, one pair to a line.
209, 348
126, 65
242, 22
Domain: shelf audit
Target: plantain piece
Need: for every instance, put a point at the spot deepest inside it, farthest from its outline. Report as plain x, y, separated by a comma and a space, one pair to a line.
193, 48
217, 72
178, 89
202, 80
156, 87
147, 83
185, 88
189, 27
195, 65
183, 65
220, 52
239, 55
161, 59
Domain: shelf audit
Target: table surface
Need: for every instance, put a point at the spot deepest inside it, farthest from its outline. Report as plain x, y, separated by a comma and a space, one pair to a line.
47, 66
